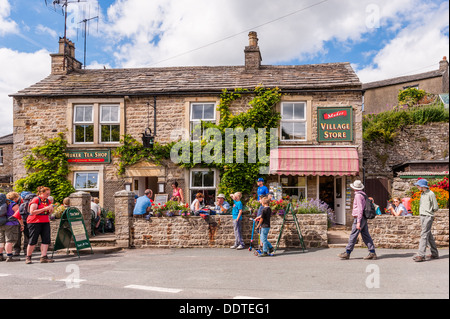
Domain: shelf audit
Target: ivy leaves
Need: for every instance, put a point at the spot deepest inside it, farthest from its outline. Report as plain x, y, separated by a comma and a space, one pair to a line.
47, 165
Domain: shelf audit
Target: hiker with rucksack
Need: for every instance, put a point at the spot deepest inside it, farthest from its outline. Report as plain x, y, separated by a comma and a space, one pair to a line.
39, 224
363, 209
9, 229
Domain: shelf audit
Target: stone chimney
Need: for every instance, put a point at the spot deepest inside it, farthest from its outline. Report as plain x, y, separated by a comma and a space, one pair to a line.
443, 67
64, 61
252, 54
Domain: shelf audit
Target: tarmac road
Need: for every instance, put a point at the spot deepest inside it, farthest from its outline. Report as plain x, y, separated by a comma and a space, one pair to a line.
227, 274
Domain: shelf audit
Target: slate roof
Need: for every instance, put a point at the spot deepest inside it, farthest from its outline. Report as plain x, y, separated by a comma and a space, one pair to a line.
403, 79
142, 81
7, 139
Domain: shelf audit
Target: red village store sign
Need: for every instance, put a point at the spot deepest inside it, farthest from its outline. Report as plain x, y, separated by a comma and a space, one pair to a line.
334, 124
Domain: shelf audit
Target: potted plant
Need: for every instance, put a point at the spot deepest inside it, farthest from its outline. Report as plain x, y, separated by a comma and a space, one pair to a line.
158, 209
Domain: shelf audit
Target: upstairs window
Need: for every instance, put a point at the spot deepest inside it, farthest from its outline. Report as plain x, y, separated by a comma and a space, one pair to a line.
83, 124
109, 123
205, 112
293, 121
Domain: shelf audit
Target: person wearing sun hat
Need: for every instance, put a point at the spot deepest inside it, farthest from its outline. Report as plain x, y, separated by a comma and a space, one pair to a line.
427, 207
359, 223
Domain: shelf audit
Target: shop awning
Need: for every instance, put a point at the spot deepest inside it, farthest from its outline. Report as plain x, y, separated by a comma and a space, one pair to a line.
314, 161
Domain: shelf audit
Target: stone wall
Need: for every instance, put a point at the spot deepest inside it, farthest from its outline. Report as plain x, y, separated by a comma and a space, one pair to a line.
404, 231
217, 232
414, 143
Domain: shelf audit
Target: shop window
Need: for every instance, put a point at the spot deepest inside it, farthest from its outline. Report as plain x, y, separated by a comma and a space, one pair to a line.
83, 124
203, 181
86, 181
109, 123
293, 121
201, 112
293, 186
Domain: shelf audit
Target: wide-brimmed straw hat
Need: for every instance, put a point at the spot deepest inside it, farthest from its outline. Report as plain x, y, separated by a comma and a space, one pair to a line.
357, 185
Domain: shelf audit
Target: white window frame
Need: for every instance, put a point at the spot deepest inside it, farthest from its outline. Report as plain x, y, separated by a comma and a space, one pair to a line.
78, 123
203, 188
304, 120
86, 189
101, 122
194, 122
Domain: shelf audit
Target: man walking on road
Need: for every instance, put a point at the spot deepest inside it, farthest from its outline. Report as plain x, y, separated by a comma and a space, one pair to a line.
359, 224
428, 206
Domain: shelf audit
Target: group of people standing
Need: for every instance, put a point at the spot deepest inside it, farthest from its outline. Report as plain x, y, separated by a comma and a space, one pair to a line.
33, 221
428, 206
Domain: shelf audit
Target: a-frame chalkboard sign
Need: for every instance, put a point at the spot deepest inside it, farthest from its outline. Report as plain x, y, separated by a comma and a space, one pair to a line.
71, 227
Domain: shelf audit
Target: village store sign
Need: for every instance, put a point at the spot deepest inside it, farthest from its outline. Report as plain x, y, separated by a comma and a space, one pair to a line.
335, 124
103, 156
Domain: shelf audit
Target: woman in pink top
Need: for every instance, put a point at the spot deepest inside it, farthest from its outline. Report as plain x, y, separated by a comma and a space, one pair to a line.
177, 194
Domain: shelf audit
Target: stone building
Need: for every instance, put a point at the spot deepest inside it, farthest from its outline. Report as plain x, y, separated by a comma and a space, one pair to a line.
320, 135
6, 164
382, 96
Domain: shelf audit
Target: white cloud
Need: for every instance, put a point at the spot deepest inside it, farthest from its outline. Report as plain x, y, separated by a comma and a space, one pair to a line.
417, 48
19, 70
46, 30
6, 25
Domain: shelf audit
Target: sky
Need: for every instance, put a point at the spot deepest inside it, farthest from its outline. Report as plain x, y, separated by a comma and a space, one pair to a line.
380, 38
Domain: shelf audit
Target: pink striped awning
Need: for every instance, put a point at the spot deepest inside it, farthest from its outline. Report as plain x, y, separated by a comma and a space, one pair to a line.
314, 161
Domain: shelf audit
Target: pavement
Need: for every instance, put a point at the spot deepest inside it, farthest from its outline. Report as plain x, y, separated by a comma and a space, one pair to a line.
226, 274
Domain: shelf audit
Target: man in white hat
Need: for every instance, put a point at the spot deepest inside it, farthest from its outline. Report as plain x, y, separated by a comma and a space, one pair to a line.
221, 205
359, 223
428, 206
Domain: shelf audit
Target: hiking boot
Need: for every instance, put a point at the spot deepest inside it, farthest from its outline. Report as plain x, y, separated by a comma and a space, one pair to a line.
11, 259
432, 257
344, 255
28, 260
371, 256
46, 260
419, 258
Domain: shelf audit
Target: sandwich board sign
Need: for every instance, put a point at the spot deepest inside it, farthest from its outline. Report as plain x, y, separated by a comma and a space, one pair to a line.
71, 227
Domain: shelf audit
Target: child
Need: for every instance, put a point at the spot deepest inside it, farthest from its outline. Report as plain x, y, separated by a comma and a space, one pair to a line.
237, 219
264, 224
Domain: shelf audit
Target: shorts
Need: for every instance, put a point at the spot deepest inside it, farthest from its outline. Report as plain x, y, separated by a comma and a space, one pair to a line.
9, 233
39, 229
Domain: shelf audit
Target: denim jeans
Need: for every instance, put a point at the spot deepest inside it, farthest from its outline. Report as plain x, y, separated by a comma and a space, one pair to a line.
264, 241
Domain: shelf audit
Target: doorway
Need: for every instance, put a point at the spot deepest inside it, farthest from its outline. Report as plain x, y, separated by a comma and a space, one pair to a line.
140, 184
339, 199
332, 192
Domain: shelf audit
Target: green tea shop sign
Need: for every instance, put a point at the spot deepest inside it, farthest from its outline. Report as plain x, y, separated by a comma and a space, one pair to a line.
99, 156
335, 124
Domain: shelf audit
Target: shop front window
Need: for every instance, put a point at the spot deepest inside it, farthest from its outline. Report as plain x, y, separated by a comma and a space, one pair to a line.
293, 186
86, 181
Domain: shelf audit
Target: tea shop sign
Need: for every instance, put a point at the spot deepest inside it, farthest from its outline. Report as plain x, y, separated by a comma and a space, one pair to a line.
335, 124
94, 157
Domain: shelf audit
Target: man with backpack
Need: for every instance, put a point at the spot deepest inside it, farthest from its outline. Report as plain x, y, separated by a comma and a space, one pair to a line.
362, 210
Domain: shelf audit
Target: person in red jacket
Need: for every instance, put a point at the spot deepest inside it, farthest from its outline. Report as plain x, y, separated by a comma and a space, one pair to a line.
39, 224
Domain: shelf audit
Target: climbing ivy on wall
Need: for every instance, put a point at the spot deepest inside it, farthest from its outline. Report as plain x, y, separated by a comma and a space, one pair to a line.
234, 176
47, 165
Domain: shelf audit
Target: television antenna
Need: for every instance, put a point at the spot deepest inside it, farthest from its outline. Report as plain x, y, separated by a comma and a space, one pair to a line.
62, 5
86, 30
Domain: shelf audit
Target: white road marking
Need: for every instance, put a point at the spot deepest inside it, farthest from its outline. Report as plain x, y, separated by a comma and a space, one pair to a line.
158, 289
4, 275
245, 297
